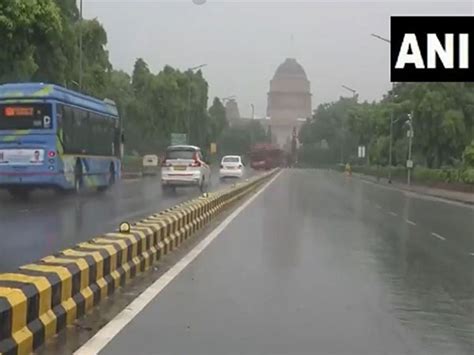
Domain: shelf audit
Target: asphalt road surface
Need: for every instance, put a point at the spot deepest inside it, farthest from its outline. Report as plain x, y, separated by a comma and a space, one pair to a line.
47, 223
321, 264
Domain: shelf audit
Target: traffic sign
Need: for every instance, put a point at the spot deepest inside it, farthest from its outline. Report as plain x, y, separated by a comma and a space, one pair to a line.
213, 148
409, 164
179, 138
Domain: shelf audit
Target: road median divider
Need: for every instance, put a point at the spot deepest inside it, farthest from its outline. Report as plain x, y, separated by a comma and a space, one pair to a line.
42, 298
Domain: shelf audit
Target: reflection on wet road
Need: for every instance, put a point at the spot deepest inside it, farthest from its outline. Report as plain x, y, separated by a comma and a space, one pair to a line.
321, 264
48, 223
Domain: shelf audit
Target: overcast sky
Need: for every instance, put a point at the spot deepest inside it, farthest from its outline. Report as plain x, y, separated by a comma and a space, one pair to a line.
244, 41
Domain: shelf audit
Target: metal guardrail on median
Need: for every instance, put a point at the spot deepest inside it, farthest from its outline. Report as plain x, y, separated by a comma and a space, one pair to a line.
42, 298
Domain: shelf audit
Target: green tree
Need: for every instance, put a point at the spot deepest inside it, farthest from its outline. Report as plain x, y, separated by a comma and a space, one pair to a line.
443, 115
96, 63
468, 155
217, 119
331, 123
29, 34
141, 76
240, 138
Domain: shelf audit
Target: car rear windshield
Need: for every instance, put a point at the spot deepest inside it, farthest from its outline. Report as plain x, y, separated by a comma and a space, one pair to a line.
230, 160
180, 154
25, 116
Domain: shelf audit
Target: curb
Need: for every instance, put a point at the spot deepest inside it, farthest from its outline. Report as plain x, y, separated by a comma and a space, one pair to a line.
42, 298
414, 191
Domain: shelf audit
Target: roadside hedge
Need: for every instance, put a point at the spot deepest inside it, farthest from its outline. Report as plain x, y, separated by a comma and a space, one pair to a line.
421, 174
132, 163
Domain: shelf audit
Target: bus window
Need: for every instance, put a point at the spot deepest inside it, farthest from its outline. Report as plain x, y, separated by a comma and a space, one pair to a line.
87, 132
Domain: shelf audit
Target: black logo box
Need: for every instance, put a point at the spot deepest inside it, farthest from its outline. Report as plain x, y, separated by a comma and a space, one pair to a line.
421, 26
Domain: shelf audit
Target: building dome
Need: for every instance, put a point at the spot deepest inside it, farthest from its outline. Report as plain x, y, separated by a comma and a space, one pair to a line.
289, 100
290, 68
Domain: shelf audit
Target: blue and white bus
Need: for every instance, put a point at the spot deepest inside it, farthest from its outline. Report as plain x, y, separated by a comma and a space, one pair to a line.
52, 137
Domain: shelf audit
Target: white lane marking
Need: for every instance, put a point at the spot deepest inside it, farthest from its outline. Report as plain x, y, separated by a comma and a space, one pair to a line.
393, 213
410, 222
436, 235
378, 206
111, 329
471, 254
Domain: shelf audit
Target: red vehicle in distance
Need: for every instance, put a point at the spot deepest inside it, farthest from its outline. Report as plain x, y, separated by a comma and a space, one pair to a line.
265, 156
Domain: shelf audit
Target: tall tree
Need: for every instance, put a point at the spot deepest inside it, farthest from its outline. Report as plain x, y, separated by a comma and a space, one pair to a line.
240, 138
95, 58
141, 76
28, 29
217, 119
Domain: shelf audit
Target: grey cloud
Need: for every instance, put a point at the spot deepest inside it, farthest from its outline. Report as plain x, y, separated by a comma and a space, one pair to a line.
243, 42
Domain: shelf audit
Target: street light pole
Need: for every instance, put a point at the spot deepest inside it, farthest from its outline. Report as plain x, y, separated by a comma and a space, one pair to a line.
80, 45
391, 120
188, 123
380, 37
354, 96
390, 147
354, 92
410, 144
390, 150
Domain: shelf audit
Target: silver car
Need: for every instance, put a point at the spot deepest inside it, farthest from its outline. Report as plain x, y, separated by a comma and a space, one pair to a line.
183, 165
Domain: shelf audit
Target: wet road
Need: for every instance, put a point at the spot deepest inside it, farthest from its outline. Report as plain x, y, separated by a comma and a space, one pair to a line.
319, 264
48, 223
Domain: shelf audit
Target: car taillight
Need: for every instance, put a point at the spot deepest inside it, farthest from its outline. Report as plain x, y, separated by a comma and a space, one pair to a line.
51, 154
165, 164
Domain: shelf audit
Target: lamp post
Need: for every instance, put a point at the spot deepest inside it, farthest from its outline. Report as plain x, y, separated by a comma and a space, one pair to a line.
390, 154
354, 92
410, 144
392, 122
354, 96
189, 101
380, 37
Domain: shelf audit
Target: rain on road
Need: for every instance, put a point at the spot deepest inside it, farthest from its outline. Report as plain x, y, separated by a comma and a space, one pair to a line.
321, 264
47, 223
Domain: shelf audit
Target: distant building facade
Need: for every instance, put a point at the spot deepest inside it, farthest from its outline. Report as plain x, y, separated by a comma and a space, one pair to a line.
232, 111
289, 100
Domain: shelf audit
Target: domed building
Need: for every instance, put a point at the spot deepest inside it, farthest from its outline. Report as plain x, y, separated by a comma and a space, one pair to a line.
289, 100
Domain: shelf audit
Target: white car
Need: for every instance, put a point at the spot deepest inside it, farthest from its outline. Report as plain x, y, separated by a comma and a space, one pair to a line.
231, 166
183, 165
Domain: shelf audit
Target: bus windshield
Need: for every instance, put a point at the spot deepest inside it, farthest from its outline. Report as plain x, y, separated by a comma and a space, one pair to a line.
25, 116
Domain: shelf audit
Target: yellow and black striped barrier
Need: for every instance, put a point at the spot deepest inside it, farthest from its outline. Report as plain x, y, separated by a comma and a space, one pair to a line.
42, 298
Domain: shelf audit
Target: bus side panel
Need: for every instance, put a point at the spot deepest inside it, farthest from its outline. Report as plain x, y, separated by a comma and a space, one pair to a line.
95, 170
